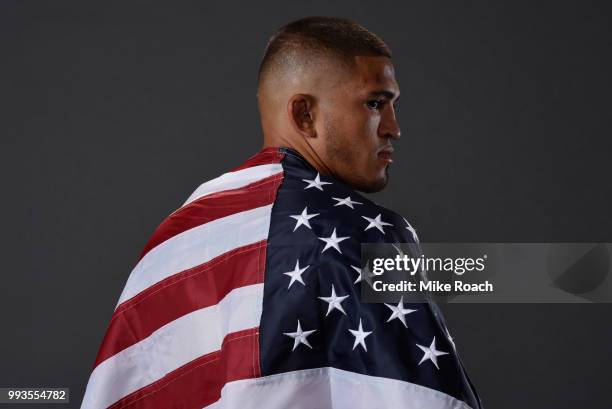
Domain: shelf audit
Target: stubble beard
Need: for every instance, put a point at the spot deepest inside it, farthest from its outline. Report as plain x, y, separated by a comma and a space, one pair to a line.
345, 156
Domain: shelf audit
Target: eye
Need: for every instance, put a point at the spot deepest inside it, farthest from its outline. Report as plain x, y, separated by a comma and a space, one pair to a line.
375, 104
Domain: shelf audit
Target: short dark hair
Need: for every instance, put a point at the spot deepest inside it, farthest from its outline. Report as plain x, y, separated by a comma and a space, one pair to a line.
321, 36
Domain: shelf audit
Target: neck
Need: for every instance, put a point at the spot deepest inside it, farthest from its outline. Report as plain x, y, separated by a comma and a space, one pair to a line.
303, 148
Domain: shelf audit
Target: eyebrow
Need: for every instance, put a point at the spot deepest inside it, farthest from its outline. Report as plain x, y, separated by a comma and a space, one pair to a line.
383, 93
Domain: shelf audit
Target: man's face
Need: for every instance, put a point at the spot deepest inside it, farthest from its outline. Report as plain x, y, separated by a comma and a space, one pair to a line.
359, 122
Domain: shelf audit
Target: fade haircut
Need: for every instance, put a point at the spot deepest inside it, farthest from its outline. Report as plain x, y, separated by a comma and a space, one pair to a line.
306, 40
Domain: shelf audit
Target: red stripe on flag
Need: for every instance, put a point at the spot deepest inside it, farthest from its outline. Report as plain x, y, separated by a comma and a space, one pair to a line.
266, 156
199, 287
199, 383
215, 206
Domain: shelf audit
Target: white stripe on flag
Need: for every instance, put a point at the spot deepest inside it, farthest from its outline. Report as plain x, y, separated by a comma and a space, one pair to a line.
196, 246
234, 180
172, 346
330, 388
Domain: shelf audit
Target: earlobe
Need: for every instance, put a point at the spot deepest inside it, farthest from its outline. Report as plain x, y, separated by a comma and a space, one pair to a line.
301, 115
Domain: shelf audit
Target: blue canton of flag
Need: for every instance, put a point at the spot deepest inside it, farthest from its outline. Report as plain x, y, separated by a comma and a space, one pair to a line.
313, 318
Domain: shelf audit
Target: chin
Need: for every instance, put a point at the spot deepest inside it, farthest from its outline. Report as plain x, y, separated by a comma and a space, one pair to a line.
373, 185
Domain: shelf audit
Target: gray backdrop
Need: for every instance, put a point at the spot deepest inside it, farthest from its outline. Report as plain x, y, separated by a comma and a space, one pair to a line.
113, 112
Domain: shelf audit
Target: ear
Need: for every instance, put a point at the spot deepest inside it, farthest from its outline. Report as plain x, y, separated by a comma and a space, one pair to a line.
300, 110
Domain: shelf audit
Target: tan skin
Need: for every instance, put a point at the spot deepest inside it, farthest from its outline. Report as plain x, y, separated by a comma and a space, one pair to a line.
341, 120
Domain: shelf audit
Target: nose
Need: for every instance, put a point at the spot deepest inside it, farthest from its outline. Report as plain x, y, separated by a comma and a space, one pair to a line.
389, 127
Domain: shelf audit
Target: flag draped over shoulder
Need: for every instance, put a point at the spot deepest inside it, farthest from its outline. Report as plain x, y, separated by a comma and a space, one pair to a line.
247, 296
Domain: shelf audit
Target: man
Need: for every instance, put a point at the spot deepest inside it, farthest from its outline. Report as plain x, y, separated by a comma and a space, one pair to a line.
248, 296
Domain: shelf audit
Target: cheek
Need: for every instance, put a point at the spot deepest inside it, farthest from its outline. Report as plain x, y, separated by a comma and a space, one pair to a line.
364, 146
371, 135
357, 136
371, 126
363, 120
364, 125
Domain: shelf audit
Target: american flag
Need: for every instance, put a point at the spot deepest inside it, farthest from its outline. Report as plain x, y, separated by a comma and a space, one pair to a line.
248, 296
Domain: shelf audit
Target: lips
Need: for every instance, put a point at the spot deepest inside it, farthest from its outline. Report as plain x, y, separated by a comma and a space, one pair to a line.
386, 154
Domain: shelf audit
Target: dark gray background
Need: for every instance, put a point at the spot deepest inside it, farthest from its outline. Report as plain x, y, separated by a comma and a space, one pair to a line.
113, 112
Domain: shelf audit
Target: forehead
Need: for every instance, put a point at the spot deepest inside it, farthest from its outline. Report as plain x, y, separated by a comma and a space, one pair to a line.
375, 72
